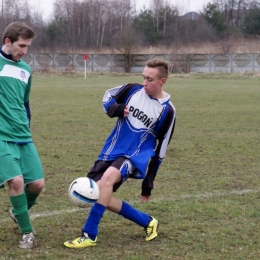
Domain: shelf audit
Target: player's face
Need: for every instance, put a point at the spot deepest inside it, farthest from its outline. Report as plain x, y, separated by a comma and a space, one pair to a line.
18, 48
153, 82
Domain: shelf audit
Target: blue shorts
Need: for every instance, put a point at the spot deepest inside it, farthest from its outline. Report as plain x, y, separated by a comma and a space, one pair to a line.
19, 160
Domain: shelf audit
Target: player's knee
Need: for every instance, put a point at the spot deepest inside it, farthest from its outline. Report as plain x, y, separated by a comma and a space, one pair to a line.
109, 179
36, 186
16, 185
106, 181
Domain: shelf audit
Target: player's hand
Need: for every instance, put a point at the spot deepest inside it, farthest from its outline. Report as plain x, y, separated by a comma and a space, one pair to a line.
126, 111
145, 199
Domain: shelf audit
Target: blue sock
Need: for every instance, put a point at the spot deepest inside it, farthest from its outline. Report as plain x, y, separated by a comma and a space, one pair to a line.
129, 212
92, 222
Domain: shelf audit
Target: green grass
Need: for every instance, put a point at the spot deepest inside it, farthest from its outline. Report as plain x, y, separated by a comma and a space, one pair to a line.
206, 193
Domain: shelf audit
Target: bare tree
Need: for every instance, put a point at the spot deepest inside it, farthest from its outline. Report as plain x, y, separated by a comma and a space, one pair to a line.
16, 10
233, 10
37, 14
128, 44
156, 6
98, 19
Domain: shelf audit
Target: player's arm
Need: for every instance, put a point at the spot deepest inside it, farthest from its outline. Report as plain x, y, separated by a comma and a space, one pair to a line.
28, 110
114, 100
164, 137
26, 100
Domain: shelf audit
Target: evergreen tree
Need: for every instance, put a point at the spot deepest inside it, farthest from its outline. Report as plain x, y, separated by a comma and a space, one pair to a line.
214, 17
144, 24
251, 24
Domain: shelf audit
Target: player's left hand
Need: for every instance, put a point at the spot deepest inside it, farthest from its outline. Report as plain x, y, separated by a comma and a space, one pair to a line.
145, 198
126, 111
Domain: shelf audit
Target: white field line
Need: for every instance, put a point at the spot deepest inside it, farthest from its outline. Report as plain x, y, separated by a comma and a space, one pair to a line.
181, 197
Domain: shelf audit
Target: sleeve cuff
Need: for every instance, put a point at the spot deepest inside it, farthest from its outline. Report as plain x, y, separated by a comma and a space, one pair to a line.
120, 110
146, 192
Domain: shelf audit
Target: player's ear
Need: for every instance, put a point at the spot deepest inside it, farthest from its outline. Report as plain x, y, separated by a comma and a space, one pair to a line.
7, 41
164, 80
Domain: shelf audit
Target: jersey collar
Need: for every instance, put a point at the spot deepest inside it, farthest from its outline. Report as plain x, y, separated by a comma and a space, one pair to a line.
7, 56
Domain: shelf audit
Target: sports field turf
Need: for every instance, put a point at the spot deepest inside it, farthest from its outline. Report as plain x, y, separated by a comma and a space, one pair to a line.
206, 194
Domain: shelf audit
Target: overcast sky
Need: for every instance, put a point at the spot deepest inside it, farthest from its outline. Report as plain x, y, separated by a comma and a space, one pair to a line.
183, 6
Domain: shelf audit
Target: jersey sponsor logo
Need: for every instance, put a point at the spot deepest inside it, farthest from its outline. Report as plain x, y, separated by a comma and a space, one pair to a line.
140, 115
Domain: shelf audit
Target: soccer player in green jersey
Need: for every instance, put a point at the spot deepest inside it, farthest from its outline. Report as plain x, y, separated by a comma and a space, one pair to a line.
20, 165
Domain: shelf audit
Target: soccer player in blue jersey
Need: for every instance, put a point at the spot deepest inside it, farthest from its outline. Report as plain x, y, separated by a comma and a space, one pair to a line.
134, 149
20, 165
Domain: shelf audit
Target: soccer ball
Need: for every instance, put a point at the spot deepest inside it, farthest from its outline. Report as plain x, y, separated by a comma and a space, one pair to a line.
83, 192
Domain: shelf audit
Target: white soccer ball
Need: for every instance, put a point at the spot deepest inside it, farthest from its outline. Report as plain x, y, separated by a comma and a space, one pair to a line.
83, 192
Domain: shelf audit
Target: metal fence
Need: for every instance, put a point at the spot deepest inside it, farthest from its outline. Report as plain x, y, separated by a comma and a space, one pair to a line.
201, 63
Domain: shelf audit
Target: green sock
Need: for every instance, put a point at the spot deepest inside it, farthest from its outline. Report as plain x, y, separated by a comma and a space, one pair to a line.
31, 197
21, 213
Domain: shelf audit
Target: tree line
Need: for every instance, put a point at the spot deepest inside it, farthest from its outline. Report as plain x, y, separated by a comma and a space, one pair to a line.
116, 24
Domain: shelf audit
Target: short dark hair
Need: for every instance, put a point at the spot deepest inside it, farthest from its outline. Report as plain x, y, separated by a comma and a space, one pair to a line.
162, 65
16, 29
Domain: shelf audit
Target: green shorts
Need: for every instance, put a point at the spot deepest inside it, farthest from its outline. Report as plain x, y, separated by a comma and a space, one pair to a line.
19, 160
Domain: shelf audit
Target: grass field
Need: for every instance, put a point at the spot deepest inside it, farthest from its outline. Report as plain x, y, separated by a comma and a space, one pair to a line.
206, 193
